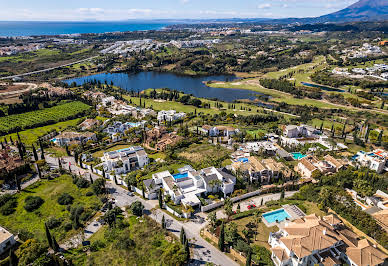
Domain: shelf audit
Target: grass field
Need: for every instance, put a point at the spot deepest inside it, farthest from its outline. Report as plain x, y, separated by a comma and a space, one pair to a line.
204, 155
150, 246
49, 191
25, 57
42, 117
159, 105
31, 136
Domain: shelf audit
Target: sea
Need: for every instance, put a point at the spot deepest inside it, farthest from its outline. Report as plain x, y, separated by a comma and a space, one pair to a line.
34, 28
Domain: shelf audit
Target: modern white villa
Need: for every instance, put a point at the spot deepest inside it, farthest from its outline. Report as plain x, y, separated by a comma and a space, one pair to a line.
188, 184
68, 138
170, 115
125, 160
376, 160
216, 131
313, 240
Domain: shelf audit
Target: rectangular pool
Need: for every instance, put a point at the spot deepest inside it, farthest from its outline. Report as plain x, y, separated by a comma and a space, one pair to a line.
276, 216
178, 176
297, 155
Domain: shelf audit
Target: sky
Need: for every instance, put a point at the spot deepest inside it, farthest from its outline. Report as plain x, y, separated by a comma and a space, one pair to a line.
111, 10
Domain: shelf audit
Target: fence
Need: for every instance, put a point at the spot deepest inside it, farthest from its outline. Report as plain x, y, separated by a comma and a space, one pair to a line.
172, 211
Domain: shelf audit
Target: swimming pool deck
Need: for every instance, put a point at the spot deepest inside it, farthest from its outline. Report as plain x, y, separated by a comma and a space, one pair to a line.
292, 210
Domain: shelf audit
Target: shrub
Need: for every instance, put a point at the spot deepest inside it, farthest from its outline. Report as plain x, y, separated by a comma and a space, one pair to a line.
53, 223
82, 183
8, 204
137, 208
243, 214
96, 245
32, 203
67, 227
65, 199
89, 194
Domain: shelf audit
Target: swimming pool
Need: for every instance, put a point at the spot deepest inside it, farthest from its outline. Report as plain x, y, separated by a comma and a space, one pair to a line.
178, 176
243, 160
276, 216
297, 155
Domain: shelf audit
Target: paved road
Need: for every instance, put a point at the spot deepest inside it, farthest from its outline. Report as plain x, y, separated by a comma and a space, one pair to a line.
203, 251
48, 69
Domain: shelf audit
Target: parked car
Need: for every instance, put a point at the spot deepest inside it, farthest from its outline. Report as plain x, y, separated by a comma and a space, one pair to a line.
251, 206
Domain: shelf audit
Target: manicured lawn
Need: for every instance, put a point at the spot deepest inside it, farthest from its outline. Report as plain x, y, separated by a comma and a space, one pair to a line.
150, 246
31, 136
49, 191
57, 151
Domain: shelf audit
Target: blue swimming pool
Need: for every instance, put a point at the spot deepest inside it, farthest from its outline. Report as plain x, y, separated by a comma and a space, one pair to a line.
243, 160
178, 176
297, 155
276, 216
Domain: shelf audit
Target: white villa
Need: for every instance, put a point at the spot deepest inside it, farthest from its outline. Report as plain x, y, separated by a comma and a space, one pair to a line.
7, 240
188, 184
170, 115
293, 131
67, 138
125, 160
313, 240
117, 128
376, 160
215, 131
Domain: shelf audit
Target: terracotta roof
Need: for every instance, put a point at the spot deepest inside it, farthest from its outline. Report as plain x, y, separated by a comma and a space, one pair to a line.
365, 254
331, 219
4, 235
334, 161
280, 253
307, 164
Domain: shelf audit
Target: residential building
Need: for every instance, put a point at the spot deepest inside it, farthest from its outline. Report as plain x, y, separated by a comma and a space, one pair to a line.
89, 124
376, 160
159, 139
303, 131
68, 138
309, 166
216, 131
264, 171
117, 128
313, 240
10, 163
186, 186
170, 115
7, 240
125, 160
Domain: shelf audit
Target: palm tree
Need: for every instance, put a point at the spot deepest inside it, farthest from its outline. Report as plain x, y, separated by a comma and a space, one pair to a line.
257, 219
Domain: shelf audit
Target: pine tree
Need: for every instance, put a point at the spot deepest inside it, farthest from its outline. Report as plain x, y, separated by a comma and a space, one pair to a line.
182, 236
160, 198
221, 240
249, 258
59, 164
55, 245
380, 137
142, 191
35, 153
115, 179
91, 179
187, 250
262, 202
17, 133
39, 172
75, 156
103, 172
80, 163
13, 259
282, 195
48, 236
11, 140
67, 150
17, 183
41, 150
163, 223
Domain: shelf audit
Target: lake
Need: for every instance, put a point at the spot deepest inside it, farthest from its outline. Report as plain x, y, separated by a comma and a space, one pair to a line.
325, 88
187, 84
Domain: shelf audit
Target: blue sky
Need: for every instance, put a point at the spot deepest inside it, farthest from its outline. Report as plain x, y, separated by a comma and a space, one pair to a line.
75, 10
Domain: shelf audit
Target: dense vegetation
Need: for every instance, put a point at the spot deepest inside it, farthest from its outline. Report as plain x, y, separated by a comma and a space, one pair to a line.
17, 122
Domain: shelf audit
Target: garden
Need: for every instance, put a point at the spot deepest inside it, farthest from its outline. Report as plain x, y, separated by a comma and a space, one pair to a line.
61, 204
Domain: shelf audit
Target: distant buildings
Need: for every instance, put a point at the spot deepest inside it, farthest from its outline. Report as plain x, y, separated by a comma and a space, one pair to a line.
125, 160
186, 186
170, 115
68, 138
322, 241
116, 129
303, 131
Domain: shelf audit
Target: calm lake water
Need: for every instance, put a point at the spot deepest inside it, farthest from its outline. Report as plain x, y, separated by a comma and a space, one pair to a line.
187, 84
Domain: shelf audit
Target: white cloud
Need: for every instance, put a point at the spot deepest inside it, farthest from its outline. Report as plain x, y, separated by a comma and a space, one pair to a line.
264, 6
